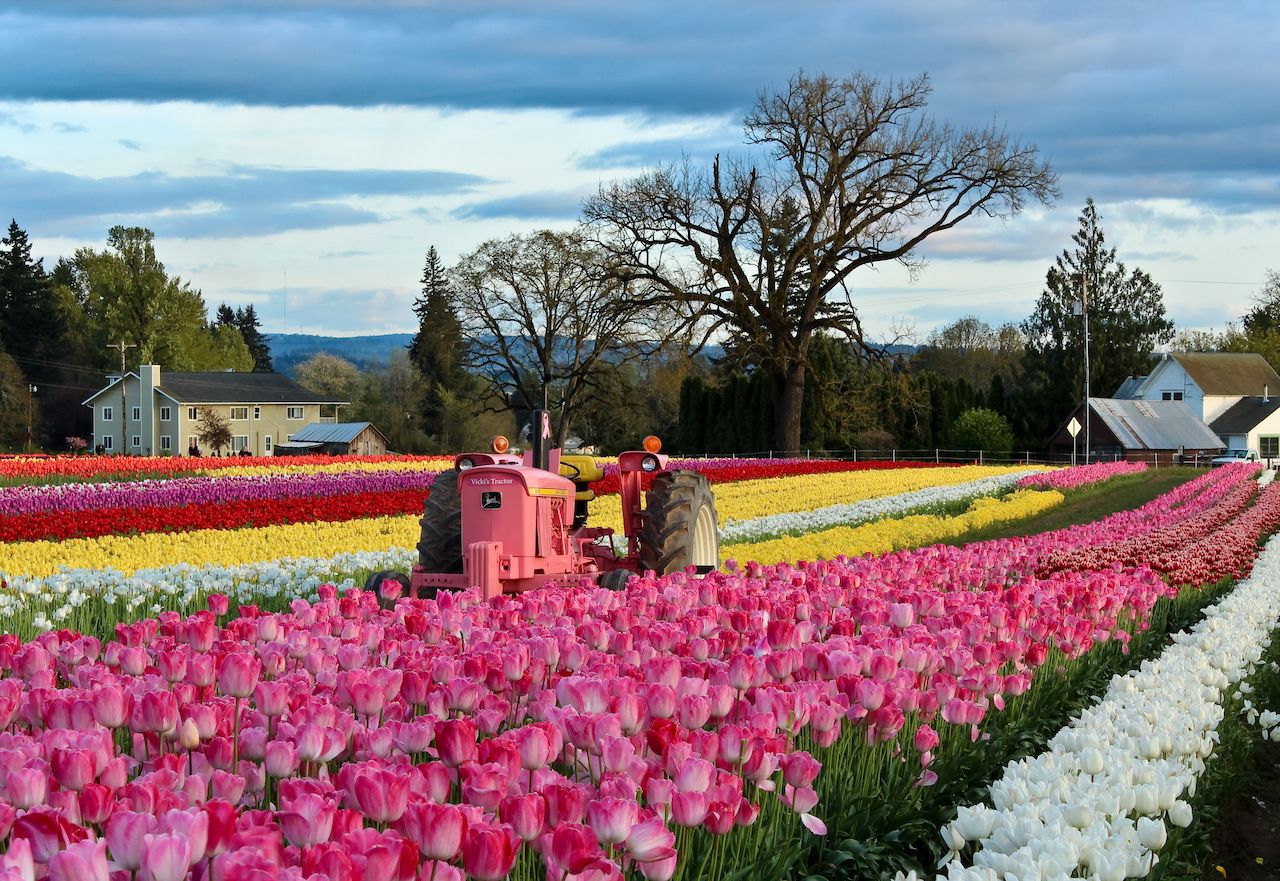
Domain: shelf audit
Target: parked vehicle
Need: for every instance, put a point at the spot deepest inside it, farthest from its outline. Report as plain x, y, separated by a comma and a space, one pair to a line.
1231, 457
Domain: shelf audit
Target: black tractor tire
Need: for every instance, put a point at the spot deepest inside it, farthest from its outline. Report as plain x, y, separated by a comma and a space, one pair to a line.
440, 542
615, 579
680, 527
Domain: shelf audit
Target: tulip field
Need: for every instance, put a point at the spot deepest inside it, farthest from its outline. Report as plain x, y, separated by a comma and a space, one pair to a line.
193, 684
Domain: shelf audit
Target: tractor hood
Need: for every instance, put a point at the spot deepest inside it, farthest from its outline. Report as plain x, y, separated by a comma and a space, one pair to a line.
534, 481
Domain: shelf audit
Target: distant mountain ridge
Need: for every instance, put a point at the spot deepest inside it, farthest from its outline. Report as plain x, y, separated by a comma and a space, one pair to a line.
288, 350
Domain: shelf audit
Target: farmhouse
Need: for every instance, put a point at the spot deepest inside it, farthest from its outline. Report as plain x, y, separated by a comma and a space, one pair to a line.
336, 439
1139, 431
1210, 383
149, 413
1252, 423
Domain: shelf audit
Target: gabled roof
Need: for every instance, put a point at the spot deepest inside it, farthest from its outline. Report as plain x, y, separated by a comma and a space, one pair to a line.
1228, 373
1245, 415
1155, 425
331, 432
239, 388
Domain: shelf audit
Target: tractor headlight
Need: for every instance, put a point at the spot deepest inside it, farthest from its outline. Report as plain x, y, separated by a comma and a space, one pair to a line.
465, 463
649, 463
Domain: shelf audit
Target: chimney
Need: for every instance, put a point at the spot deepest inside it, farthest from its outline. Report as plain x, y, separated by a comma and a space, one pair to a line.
1266, 396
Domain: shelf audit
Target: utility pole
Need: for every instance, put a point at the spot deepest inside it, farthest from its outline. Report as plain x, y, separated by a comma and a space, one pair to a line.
31, 392
124, 425
1084, 306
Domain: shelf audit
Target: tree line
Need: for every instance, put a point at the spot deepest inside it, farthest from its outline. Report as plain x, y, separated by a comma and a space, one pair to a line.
57, 328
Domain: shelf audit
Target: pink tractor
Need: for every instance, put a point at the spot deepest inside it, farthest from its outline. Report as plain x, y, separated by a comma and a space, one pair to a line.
508, 524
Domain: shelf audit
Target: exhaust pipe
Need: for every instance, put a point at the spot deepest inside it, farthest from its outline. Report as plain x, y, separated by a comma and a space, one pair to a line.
540, 439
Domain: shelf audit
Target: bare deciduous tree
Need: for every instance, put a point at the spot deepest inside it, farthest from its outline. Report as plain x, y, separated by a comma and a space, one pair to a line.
540, 314
849, 173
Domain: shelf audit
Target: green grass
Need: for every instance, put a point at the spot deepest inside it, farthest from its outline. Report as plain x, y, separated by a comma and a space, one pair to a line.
1090, 503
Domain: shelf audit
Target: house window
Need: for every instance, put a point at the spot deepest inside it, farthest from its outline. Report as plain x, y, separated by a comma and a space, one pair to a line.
1171, 396
193, 413
266, 444
239, 412
294, 413
1269, 446
166, 413
137, 442
137, 414
108, 415
328, 411
166, 442
193, 443
107, 442
239, 442
257, 413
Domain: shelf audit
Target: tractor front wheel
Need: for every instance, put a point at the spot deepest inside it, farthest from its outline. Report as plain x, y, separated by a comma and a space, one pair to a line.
680, 526
440, 542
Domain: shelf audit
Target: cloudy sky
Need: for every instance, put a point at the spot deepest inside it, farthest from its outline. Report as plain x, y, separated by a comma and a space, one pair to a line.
318, 148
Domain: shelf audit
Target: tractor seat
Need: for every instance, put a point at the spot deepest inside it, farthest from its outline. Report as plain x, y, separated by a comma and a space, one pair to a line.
583, 471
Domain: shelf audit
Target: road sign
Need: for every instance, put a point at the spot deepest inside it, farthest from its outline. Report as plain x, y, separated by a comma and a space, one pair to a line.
1074, 426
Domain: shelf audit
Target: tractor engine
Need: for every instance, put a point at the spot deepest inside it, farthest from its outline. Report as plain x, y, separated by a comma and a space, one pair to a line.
521, 517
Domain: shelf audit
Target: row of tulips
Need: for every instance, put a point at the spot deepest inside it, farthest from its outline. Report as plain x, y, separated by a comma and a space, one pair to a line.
769, 496
677, 725
1101, 800
735, 470
1081, 475
912, 531
66, 469
239, 514
852, 513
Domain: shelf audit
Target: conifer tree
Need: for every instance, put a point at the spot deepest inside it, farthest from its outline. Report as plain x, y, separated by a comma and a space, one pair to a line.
27, 314
246, 320
436, 349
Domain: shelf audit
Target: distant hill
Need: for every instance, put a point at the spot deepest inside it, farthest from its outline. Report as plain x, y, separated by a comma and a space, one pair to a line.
288, 350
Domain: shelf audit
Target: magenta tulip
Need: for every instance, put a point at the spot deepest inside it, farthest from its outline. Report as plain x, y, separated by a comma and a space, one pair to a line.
238, 675
126, 833
489, 852
165, 857
437, 829
84, 861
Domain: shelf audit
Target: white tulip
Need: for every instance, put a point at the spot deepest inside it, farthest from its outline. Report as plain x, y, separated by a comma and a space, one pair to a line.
1180, 814
1152, 833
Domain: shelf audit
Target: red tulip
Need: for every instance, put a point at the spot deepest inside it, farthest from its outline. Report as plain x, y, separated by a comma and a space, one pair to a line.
456, 741
525, 814
96, 804
574, 848
489, 852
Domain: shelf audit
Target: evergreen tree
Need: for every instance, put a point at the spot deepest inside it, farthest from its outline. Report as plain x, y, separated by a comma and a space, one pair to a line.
27, 315
436, 349
1126, 322
226, 315
246, 320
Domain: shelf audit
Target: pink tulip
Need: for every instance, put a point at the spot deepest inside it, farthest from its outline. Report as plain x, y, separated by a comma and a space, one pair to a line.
308, 820
281, 759
238, 675
27, 787
535, 748
695, 775
925, 738
156, 711
800, 769
165, 857
489, 852
650, 841
18, 862
437, 829
611, 819
218, 603
525, 814
192, 825
689, 809
110, 706
574, 849
126, 833
84, 861
271, 698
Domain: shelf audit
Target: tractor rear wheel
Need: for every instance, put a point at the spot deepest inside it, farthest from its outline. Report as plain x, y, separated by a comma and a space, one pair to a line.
680, 527
440, 542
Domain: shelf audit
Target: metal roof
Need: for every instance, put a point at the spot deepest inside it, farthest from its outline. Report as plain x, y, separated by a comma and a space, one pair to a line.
330, 432
1245, 415
1129, 388
1155, 425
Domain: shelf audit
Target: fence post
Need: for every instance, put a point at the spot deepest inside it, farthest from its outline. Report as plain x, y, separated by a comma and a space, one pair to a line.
855, 454
979, 457
937, 457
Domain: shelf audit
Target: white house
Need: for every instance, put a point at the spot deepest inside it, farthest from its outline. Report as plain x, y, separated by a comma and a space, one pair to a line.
149, 414
1210, 383
1252, 424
